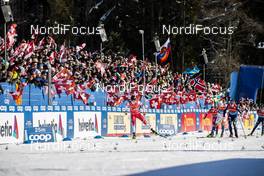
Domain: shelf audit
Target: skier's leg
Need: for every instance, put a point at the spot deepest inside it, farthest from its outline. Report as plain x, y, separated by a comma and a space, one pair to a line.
141, 118
235, 126
230, 127
256, 125
222, 128
133, 119
262, 132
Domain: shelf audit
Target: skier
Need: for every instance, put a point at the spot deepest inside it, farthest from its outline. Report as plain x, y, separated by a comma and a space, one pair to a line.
134, 105
260, 113
232, 110
221, 116
212, 111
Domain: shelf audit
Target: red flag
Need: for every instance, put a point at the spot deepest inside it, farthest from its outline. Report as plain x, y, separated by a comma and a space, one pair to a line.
30, 49
64, 74
155, 102
198, 84
80, 47
52, 56
11, 34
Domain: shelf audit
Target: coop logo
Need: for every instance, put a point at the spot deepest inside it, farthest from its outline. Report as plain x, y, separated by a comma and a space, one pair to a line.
40, 137
166, 131
88, 126
7, 130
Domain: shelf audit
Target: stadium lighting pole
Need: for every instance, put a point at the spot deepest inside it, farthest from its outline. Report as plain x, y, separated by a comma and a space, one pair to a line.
49, 85
157, 46
144, 71
205, 62
5, 41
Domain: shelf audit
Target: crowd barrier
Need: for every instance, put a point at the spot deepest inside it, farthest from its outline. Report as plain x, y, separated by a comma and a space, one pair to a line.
19, 124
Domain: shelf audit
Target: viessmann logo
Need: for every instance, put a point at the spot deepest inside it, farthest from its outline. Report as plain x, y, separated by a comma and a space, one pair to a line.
9, 130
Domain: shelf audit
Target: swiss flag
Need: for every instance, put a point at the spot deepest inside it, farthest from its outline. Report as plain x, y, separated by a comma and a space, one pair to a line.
155, 102
64, 74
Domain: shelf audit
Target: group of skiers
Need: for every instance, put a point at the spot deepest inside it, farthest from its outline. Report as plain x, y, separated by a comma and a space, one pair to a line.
221, 113
232, 113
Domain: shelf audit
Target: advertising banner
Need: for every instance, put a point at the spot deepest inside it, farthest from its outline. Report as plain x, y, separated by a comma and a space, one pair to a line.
188, 122
87, 124
249, 122
118, 123
169, 119
205, 124
143, 129
56, 120
39, 134
11, 128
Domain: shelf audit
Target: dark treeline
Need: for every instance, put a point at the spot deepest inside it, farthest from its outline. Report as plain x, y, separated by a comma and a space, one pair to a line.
225, 52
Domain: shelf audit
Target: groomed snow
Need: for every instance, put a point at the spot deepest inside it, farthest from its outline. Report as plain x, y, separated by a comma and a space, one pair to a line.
178, 155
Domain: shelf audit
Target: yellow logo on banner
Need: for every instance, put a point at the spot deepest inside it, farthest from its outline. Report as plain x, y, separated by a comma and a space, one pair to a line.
206, 122
249, 123
189, 122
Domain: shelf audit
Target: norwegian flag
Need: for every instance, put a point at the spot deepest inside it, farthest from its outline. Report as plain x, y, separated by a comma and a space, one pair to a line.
30, 49
52, 56
198, 84
80, 47
64, 74
11, 34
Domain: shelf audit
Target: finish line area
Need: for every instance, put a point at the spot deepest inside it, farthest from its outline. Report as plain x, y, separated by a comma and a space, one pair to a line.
180, 154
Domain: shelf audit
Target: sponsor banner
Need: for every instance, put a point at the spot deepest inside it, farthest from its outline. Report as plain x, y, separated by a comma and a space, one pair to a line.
39, 135
118, 124
169, 119
249, 123
145, 129
166, 129
11, 128
56, 120
188, 122
87, 124
205, 124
